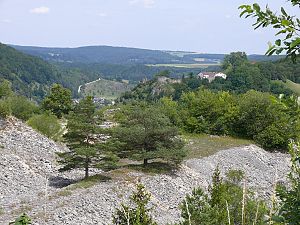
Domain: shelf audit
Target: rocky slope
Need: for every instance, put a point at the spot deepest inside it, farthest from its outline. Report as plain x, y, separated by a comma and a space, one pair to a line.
30, 181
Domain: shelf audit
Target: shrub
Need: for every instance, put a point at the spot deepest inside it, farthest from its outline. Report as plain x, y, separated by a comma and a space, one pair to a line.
5, 109
137, 215
47, 124
22, 220
226, 203
22, 108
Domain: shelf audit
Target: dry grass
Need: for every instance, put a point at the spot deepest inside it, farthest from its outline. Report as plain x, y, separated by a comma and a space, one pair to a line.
203, 145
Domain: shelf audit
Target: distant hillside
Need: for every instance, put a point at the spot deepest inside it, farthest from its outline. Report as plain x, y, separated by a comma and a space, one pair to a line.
123, 55
102, 88
29, 75
100, 54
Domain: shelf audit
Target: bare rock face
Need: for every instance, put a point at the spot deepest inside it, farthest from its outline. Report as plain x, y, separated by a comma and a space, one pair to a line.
30, 181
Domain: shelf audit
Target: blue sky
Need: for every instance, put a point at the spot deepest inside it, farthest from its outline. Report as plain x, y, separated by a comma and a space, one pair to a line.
208, 26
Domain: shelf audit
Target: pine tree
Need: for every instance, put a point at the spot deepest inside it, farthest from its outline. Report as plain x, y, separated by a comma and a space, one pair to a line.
83, 138
148, 134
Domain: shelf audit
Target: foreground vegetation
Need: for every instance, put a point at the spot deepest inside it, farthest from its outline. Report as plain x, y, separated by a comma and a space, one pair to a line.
227, 201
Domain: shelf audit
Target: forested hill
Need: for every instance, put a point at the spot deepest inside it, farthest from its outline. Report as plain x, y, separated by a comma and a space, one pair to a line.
124, 55
29, 75
101, 54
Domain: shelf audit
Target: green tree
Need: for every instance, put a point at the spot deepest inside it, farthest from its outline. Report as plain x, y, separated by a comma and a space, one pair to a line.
137, 215
285, 24
148, 134
86, 148
59, 101
234, 60
267, 120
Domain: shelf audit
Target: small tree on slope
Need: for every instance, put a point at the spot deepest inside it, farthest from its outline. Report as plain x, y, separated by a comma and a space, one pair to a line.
137, 215
86, 150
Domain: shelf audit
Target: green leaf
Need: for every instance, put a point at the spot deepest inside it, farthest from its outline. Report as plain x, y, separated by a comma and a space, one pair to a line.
295, 43
285, 23
283, 11
256, 7
278, 42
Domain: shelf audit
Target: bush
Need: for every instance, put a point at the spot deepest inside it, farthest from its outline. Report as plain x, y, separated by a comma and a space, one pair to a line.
137, 215
226, 201
5, 109
22, 220
46, 124
22, 108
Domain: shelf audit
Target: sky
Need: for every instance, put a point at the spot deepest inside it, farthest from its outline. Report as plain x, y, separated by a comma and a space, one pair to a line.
206, 26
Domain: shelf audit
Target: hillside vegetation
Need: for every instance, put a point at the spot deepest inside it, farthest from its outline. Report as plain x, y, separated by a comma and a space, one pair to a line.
30, 76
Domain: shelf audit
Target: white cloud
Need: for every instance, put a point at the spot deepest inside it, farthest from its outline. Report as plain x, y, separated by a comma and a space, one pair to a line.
145, 3
40, 10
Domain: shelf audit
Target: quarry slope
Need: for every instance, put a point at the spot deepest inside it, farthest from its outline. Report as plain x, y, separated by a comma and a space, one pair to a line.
30, 181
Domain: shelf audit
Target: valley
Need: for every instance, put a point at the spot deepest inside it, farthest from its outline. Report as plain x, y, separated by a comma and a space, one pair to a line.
147, 112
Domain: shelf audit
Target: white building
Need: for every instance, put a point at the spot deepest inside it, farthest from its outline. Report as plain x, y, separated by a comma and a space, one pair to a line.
210, 76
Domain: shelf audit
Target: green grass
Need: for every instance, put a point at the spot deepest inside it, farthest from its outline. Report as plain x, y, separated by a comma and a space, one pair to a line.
189, 66
89, 182
152, 168
203, 145
291, 85
107, 89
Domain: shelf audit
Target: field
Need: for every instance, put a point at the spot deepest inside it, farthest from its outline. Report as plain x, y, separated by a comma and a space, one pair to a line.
107, 89
189, 66
203, 145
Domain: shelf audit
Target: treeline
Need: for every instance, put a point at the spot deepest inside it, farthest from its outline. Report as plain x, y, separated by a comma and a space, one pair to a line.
242, 76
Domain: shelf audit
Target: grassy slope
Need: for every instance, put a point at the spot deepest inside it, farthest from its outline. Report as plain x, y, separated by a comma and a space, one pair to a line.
106, 89
202, 145
293, 86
